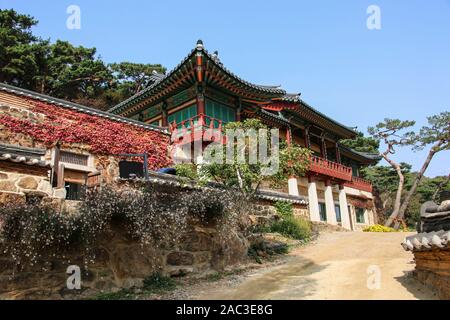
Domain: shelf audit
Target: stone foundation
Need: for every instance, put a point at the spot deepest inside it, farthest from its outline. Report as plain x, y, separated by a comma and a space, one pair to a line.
264, 212
121, 263
433, 270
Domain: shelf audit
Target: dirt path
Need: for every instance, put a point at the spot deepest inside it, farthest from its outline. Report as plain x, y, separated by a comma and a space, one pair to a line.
335, 267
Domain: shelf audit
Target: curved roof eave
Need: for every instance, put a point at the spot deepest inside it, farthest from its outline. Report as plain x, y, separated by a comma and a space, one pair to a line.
265, 89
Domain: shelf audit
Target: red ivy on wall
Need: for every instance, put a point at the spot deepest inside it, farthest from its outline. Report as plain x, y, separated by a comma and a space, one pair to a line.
102, 136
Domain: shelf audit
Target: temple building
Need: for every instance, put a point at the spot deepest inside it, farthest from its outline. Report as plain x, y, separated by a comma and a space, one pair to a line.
55, 149
200, 91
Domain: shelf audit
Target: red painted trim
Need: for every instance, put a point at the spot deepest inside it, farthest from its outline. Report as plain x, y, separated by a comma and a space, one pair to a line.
331, 169
199, 68
360, 184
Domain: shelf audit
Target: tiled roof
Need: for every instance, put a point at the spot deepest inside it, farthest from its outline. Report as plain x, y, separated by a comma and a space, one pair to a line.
175, 181
427, 241
77, 107
214, 65
280, 196
214, 60
365, 155
18, 154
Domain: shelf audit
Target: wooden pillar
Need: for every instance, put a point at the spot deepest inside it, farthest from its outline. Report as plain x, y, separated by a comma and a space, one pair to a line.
329, 203
60, 181
239, 109
55, 169
323, 147
307, 140
288, 135
313, 200
200, 100
343, 205
199, 74
338, 153
165, 115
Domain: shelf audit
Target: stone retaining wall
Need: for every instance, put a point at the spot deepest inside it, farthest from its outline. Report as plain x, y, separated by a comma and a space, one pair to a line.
433, 270
121, 263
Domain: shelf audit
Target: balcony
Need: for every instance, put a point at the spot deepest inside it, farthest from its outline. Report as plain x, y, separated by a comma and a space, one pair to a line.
199, 127
360, 184
331, 169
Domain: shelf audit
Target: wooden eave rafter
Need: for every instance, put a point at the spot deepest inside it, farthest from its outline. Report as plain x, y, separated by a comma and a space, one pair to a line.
180, 81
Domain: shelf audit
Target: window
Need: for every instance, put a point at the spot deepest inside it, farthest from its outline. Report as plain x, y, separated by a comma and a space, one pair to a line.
220, 111
128, 169
183, 114
360, 215
74, 191
322, 211
337, 209
74, 158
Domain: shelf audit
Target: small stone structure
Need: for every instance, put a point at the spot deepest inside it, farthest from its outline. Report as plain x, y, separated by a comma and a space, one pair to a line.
431, 247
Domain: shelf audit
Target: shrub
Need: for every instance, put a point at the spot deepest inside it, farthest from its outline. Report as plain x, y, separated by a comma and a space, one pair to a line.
158, 283
379, 228
30, 230
187, 170
153, 215
293, 227
123, 294
284, 208
267, 248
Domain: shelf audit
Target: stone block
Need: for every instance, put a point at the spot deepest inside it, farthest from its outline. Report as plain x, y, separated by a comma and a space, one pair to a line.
180, 258
202, 257
60, 193
7, 185
178, 271
29, 183
45, 186
12, 197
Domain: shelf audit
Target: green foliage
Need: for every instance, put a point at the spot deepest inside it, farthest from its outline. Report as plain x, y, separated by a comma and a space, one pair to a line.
379, 228
437, 132
63, 70
216, 276
133, 77
385, 181
244, 176
157, 283
17, 49
123, 294
285, 209
247, 176
385, 178
153, 216
263, 249
187, 170
292, 227
153, 284
392, 132
362, 144
294, 162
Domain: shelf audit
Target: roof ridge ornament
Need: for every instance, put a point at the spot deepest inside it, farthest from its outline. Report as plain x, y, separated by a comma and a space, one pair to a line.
199, 44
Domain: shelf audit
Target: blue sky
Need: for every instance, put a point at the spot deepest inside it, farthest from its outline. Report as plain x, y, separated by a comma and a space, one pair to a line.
320, 48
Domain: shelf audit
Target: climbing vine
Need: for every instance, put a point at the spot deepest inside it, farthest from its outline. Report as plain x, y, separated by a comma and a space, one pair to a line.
100, 135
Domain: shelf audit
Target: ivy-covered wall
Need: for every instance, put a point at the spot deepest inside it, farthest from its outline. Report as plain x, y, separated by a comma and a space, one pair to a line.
27, 121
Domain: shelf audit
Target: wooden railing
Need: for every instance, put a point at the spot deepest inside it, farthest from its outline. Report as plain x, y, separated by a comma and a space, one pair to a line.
330, 168
360, 184
199, 127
